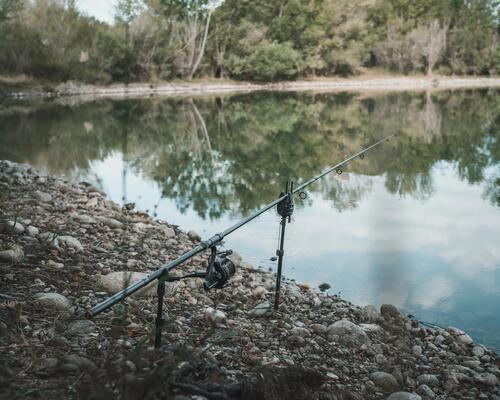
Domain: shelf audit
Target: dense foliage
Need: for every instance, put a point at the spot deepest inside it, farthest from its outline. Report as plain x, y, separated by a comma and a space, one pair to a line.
248, 39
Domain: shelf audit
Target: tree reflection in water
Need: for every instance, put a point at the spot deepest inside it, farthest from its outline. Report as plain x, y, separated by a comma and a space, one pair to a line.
233, 154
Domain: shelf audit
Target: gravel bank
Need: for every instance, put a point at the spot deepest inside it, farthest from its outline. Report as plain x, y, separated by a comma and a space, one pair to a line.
64, 247
362, 84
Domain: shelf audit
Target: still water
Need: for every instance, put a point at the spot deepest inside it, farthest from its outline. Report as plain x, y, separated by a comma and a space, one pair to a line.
416, 223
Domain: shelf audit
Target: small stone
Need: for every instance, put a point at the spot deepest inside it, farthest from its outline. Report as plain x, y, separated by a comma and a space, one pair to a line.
428, 379
194, 236
371, 313
259, 292
389, 311
14, 227
81, 328
324, 287
117, 281
404, 396
478, 351
81, 362
371, 327
426, 391
84, 219
42, 196
300, 332
48, 365
54, 264
13, 255
417, 350
347, 331
32, 231
380, 359
215, 317
68, 242
487, 379
319, 329
460, 335
53, 300
111, 222
260, 309
385, 381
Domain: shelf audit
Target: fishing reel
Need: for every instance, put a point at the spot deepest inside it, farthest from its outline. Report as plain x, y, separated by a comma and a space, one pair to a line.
219, 270
285, 207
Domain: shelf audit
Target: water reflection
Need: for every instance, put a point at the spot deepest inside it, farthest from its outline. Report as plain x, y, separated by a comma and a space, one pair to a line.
415, 223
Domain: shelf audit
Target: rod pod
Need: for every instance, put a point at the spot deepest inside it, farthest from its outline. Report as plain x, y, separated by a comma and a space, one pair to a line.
285, 209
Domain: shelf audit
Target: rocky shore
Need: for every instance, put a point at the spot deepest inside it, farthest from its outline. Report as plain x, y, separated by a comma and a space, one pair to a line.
64, 247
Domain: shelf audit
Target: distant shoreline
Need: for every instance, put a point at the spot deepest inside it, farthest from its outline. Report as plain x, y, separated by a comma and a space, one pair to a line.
357, 84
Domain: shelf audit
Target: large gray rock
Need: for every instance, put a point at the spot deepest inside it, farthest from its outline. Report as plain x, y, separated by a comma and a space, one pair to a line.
13, 255
54, 301
404, 396
116, 281
385, 381
347, 332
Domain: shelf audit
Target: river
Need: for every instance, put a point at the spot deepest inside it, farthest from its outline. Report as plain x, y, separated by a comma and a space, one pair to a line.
415, 224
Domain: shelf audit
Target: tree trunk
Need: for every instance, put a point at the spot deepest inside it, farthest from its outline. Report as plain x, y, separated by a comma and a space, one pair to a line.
196, 63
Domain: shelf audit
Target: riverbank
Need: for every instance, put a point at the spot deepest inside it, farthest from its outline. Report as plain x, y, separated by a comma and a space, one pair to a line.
213, 87
64, 247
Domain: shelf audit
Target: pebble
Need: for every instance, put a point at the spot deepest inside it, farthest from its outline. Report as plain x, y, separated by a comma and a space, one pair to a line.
348, 332
260, 310
14, 255
55, 301
13, 227
32, 231
42, 196
426, 391
82, 327
117, 281
404, 396
111, 222
385, 381
215, 317
460, 335
194, 236
428, 379
388, 310
486, 378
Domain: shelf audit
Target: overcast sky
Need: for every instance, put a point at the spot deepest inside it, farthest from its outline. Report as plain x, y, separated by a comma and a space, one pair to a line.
101, 9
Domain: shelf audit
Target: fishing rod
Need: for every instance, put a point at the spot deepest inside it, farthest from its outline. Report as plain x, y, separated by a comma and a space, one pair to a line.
220, 268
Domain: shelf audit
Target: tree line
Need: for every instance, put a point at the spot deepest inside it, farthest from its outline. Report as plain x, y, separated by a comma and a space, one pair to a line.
262, 40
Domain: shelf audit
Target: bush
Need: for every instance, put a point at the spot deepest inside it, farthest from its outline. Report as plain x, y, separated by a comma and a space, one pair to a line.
269, 61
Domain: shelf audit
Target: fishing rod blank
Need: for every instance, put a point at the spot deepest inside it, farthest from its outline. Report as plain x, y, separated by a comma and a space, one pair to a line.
210, 243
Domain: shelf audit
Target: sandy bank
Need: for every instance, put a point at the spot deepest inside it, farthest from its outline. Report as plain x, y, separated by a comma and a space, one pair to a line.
362, 84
